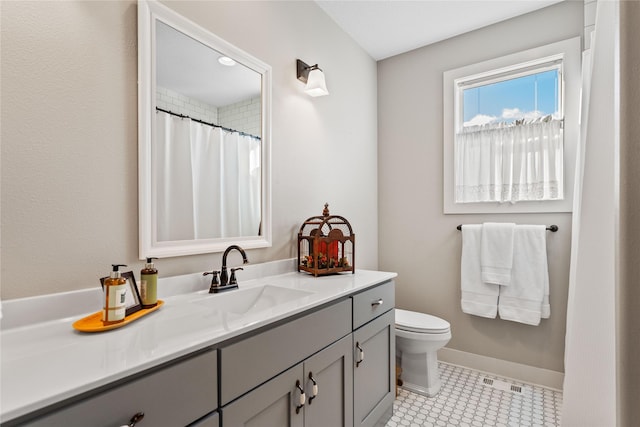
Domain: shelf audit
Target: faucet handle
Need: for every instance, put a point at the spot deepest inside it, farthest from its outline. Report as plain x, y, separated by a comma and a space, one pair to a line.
214, 279
232, 279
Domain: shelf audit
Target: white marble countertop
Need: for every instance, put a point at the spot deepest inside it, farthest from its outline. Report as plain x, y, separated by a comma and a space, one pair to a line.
46, 362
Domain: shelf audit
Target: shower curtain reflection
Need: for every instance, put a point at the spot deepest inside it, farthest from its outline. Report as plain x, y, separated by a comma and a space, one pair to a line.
207, 182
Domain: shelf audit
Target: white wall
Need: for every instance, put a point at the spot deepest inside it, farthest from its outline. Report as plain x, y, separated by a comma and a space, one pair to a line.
69, 135
243, 116
416, 239
182, 104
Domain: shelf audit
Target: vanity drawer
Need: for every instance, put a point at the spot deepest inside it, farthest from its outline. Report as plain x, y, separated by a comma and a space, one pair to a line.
173, 396
372, 303
248, 363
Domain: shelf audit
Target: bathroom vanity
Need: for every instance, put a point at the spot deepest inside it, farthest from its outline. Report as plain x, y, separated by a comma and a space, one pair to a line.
287, 349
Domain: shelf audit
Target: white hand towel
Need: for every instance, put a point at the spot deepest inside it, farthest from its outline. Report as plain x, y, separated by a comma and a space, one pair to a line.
478, 298
526, 300
496, 252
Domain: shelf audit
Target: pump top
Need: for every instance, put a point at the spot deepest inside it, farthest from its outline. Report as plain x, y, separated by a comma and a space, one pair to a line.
150, 261
115, 272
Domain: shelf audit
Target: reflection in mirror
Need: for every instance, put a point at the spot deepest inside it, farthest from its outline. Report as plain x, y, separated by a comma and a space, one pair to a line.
203, 139
207, 146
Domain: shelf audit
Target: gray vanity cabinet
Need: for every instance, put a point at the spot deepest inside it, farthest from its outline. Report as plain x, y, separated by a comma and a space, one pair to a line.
346, 348
252, 361
263, 376
374, 355
176, 395
277, 402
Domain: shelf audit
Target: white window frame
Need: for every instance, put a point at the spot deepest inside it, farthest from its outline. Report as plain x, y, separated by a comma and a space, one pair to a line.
555, 62
504, 68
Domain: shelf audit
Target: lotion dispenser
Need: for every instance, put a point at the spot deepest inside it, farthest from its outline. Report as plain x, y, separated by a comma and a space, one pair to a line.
115, 292
149, 284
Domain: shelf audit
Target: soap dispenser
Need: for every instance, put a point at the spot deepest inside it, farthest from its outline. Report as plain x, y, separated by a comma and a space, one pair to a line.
149, 284
115, 293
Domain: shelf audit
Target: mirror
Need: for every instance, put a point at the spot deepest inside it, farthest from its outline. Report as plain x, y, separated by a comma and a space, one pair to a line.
204, 139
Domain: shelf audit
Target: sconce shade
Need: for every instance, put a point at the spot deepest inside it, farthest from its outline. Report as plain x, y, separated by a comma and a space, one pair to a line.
316, 85
313, 77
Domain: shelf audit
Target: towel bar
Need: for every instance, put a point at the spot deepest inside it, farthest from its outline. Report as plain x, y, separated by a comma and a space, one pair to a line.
553, 228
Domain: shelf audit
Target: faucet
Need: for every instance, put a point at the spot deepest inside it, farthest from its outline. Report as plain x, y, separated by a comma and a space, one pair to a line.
224, 278
215, 286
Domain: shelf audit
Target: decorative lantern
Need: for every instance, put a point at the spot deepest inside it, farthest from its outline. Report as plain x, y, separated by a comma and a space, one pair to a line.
326, 245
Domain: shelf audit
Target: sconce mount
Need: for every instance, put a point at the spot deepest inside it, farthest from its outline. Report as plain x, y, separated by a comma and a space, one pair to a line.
302, 70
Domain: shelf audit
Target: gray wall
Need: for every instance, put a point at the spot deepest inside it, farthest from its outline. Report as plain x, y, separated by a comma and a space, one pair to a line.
416, 239
69, 135
628, 294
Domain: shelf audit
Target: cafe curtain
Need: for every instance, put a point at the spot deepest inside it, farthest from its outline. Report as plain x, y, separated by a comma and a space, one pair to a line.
510, 162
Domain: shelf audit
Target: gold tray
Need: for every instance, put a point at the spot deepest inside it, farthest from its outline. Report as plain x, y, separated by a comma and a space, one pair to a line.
93, 322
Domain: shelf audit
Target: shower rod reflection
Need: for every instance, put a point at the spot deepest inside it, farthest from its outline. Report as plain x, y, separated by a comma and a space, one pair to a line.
182, 116
552, 228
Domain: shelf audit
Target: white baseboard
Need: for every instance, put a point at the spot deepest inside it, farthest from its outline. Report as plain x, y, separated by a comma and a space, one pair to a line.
516, 371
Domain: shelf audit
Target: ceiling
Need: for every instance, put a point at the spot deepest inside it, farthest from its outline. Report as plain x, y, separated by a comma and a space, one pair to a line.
386, 28
383, 28
187, 66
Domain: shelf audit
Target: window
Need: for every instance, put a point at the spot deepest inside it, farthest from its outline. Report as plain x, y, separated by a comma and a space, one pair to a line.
505, 137
509, 140
511, 97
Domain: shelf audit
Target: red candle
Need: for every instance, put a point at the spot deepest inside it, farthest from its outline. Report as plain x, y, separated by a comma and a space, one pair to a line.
333, 250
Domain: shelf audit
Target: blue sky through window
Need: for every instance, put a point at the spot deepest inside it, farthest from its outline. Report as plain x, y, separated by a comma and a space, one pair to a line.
528, 97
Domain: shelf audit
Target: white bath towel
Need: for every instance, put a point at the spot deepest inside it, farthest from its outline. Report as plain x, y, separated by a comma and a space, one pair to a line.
526, 300
496, 252
478, 298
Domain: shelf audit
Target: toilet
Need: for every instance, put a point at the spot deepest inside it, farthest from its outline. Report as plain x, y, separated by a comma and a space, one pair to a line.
419, 336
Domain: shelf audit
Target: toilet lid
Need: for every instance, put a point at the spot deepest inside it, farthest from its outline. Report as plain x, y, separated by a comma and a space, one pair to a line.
412, 321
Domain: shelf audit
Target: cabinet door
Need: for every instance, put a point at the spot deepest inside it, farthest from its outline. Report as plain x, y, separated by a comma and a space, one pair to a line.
373, 372
273, 404
332, 371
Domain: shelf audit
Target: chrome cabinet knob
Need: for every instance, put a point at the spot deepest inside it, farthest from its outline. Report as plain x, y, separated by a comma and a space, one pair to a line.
380, 301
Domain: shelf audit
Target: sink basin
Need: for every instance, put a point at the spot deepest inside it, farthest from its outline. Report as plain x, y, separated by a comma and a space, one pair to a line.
251, 300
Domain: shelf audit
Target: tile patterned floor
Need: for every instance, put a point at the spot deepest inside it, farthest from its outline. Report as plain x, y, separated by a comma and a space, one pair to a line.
466, 401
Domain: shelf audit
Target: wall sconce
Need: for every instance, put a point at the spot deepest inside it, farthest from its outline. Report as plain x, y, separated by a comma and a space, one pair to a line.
313, 77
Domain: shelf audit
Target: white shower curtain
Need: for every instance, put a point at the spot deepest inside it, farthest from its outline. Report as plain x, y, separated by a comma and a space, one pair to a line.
208, 181
589, 389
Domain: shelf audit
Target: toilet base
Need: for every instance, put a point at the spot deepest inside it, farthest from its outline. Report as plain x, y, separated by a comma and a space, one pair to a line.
420, 372
424, 391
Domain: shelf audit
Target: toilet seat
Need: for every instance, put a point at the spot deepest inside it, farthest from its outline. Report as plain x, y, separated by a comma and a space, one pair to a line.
411, 321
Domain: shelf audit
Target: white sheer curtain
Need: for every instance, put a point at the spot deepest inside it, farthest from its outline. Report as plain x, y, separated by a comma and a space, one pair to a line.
208, 181
510, 163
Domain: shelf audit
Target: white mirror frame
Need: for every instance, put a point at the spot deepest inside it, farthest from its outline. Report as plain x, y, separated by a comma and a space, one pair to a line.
148, 13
